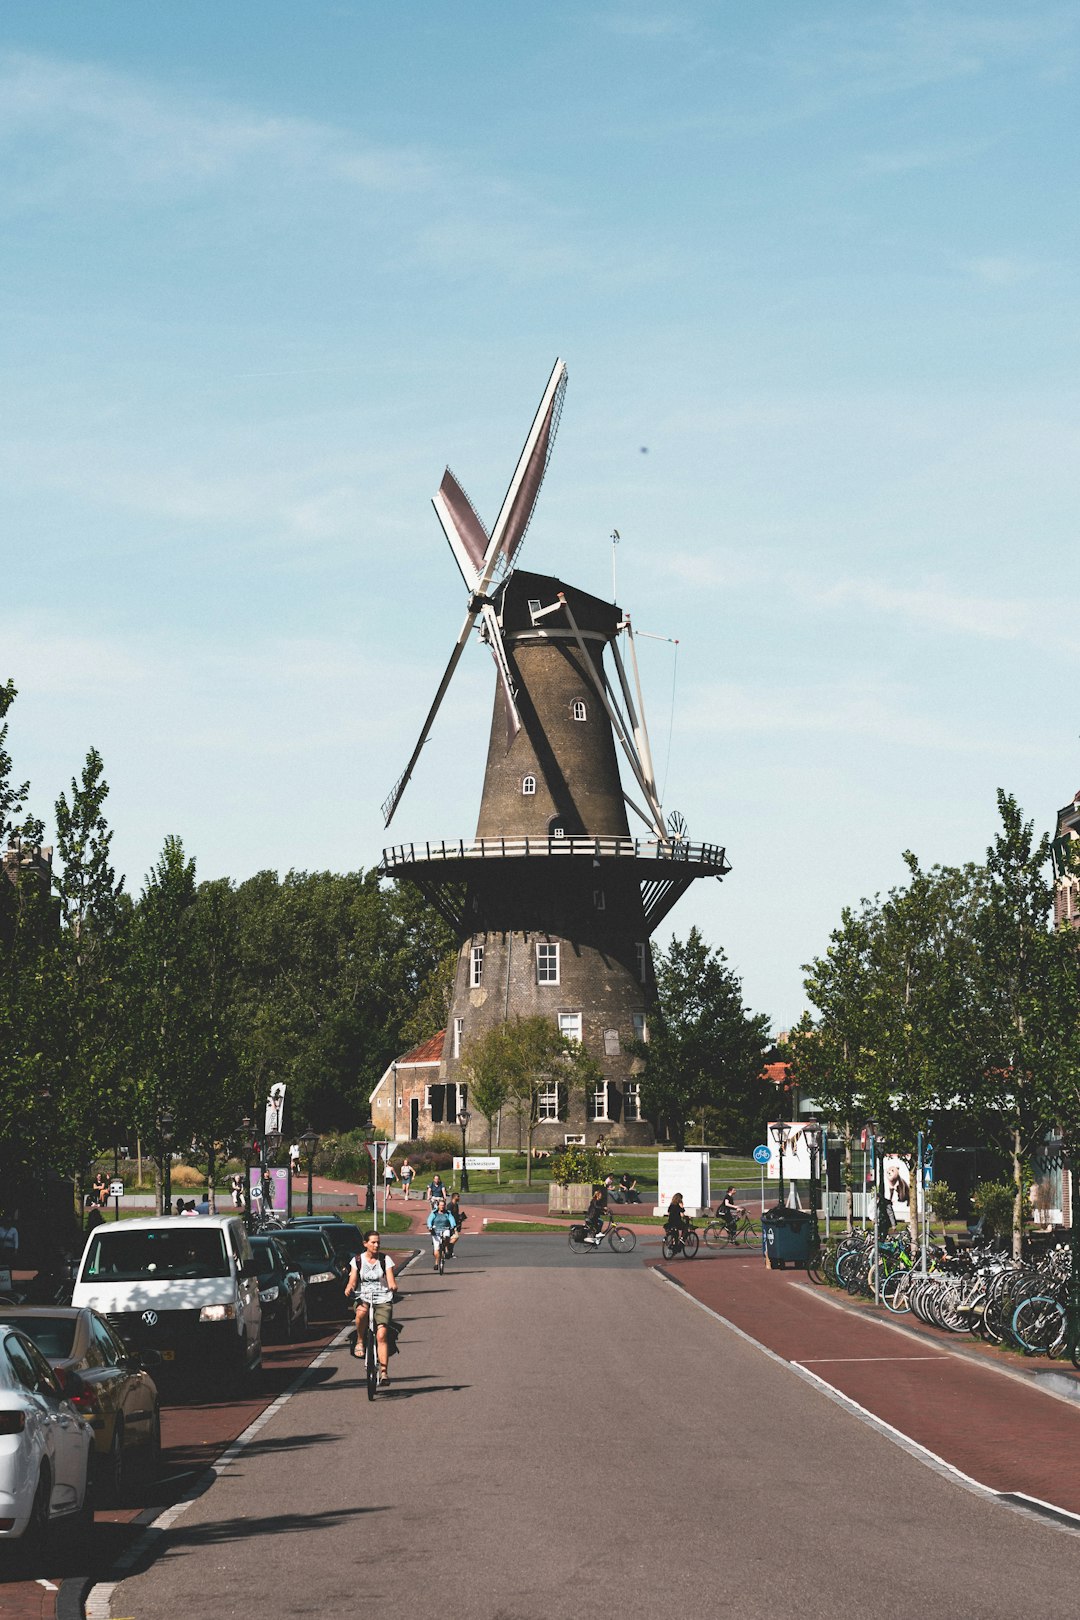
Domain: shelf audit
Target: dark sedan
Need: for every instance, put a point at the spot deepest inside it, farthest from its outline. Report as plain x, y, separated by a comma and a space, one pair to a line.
309, 1250
105, 1383
282, 1290
344, 1238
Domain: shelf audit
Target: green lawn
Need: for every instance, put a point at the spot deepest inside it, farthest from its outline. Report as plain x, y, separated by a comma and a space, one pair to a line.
642, 1164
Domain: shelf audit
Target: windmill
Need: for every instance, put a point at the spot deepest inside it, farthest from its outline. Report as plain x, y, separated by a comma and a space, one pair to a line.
553, 901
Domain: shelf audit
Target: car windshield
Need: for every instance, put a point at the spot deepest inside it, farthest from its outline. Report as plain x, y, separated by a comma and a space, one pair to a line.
345, 1240
151, 1256
53, 1335
304, 1245
265, 1258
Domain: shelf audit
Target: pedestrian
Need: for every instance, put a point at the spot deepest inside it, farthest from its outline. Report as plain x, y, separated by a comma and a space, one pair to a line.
294, 1158
407, 1173
460, 1217
236, 1187
9, 1239
436, 1190
188, 1209
95, 1218
204, 1204
389, 1177
101, 1189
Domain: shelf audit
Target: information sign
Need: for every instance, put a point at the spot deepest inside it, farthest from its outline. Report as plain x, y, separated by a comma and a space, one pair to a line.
116, 1189
761, 1154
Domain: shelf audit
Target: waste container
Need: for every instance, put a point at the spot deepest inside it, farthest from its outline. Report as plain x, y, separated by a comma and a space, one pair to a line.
787, 1234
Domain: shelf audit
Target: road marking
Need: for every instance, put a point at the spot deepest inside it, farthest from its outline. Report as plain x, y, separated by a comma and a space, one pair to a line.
824, 1361
98, 1605
48, 1585
1017, 1501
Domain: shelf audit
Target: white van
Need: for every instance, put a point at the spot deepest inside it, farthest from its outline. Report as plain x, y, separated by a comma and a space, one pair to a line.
185, 1286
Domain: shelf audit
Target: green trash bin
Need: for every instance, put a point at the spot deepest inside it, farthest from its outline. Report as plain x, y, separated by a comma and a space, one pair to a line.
788, 1234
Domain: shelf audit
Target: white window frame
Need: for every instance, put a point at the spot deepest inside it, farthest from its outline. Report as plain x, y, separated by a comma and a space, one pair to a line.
476, 967
547, 957
528, 786
641, 1028
547, 1103
632, 1100
596, 1101
557, 831
599, 903
459, 1030
641, 946
570, 1024
579, 711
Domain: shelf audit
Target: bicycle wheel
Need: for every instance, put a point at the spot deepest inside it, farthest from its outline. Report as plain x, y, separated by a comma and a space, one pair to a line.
748, 1232
442, 1259
894, 1290
1037, 1323
621, 1239
371, 1360
577, 1239
715, 1234
669, 1248
690, 1244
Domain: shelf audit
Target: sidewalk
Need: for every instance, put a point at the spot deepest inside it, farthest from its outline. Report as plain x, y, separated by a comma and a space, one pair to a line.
981, 1411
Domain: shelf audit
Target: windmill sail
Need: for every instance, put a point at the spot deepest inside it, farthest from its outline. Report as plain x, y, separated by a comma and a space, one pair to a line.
463, 527
520, 499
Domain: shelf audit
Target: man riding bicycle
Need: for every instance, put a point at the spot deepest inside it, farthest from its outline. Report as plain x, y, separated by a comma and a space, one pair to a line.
372, 1285
442, 1226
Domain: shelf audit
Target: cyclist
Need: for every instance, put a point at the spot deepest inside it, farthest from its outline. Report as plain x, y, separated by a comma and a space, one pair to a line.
595, 1215
436, 1190
460, 1217
677, 1221
373, 1284
728, 1211
442, 1226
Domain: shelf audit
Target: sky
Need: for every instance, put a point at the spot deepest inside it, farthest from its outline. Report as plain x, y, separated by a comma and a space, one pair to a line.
268, 268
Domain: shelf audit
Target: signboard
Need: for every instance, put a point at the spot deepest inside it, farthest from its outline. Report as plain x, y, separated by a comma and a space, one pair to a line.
761, 1154
796, 1153
269, 1190
472, 1163
687, 1173
379, 1150
275, 1110
116, 1189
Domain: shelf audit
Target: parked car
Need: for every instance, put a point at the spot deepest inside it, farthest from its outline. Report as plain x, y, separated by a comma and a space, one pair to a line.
282, 1290
309, 1250
344, 1238
188, 1289
105, 1382
44, 1446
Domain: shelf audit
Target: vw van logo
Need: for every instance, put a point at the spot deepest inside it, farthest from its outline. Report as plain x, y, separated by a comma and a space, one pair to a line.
150, 1318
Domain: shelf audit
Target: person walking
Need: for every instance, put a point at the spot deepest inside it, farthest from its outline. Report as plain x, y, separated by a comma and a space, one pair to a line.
460, 1217
407, 1174
389, 1177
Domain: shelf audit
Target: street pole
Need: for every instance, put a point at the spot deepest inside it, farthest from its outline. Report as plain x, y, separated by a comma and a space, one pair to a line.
463, 1120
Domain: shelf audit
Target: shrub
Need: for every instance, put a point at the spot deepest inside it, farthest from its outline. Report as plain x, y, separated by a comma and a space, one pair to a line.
443, 1142
993, 1201
183, 1175
576, 1164
943, 1199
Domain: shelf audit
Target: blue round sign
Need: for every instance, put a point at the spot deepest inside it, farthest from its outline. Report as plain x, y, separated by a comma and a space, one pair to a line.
761, 1155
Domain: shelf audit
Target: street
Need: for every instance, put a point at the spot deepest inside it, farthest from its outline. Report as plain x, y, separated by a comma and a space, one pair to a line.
565, 1433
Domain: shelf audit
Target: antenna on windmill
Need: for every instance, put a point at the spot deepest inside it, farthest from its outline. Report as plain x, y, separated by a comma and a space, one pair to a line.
480, 555
614, 542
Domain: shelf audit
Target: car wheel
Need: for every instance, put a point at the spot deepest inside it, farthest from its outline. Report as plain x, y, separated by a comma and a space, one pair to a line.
116, 1464
36, 1534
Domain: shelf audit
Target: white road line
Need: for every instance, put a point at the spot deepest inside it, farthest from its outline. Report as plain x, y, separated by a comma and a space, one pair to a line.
99, 1599
1018, 1501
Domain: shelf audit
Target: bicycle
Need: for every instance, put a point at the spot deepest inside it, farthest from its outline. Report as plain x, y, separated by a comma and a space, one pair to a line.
371, 1357
684, 1242
620, 1238
720, 1232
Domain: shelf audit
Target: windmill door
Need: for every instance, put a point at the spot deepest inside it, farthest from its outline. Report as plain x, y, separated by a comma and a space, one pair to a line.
414, 1119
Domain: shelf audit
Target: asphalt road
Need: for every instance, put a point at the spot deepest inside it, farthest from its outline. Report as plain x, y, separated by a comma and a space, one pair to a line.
569, 1435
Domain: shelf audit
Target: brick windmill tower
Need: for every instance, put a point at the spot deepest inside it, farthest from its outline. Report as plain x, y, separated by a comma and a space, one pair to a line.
554, 900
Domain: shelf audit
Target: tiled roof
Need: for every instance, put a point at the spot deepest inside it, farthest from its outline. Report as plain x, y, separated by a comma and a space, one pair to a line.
429, 1051
777, 1073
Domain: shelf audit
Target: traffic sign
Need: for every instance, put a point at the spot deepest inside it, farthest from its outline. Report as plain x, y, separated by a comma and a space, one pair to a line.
761, 1154
116, 1189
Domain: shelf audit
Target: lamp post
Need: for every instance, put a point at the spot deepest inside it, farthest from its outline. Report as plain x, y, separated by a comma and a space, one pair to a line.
309, 1142
463, 1120
777, 1133
812, 1132
165, 1131
244, 1129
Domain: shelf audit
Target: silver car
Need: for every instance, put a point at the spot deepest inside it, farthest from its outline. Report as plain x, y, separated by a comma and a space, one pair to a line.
44, 1445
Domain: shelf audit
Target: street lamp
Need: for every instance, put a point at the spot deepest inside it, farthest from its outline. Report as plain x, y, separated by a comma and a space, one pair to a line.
309, 1142
463, 1119
244, 1129
812, 1132
165, 1131
777, 1133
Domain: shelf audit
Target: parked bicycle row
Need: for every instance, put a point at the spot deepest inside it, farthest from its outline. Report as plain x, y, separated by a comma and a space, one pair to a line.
978, 1291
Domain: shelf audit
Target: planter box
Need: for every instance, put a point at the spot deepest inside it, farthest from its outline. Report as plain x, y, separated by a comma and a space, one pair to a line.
571, 1200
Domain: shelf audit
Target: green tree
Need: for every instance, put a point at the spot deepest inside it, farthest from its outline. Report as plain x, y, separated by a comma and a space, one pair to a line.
705, 1048
486, 1062
538, 1055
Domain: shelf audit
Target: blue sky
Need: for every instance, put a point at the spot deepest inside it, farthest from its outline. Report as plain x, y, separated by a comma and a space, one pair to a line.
269, 267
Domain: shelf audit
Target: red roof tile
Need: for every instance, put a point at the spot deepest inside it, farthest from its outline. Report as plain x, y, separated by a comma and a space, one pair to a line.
429, 1051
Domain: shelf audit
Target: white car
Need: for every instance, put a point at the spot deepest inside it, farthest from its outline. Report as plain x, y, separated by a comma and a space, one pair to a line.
45, 1445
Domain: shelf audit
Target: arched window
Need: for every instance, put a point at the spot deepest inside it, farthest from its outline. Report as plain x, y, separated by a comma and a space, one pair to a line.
580, 712
528, 785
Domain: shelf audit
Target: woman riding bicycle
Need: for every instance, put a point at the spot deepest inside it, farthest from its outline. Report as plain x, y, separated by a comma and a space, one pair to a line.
677, 1221
595, 1215
373, 1284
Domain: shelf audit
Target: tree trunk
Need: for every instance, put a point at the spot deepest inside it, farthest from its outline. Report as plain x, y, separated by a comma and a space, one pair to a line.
849, 1180
528, 1151
1018, 1196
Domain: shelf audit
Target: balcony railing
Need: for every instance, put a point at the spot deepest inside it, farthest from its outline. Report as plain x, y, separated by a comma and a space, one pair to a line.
663, 851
